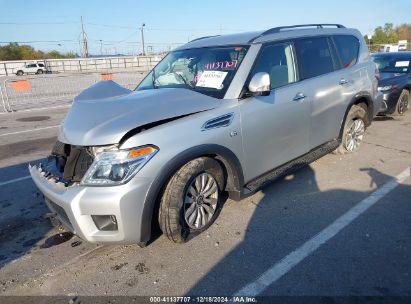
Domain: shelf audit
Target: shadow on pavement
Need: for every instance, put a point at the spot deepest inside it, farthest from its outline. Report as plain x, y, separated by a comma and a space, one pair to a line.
22, 210
291, 212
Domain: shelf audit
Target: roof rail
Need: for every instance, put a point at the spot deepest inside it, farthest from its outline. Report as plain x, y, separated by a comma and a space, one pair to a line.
204, 38
280, 28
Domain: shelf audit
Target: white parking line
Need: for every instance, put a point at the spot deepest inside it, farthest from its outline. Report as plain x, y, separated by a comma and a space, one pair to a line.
26, 131
14, 180
294, 258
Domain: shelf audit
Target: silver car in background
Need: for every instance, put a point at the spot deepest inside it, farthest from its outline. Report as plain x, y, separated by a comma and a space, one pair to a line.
219, 116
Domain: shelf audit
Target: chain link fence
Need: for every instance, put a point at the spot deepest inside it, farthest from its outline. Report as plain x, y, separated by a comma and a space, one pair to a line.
86, 65
44, 91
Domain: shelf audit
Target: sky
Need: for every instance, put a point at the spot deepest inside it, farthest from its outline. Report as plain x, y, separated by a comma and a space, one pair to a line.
114, 26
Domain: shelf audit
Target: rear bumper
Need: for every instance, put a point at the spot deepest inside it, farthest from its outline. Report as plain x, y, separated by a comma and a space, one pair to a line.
75, 205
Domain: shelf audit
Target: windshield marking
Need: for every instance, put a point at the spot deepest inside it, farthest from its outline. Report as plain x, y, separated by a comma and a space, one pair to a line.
221, 65
211, 79
402, 64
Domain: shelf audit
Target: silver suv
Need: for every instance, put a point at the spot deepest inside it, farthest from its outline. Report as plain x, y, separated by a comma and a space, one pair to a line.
219, 115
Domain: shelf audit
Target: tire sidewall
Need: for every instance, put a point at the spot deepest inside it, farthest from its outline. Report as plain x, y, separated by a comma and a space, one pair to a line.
356, 112
173, 198
397, 108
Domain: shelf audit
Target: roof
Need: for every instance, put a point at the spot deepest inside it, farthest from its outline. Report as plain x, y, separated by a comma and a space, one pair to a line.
276, 33
219, 40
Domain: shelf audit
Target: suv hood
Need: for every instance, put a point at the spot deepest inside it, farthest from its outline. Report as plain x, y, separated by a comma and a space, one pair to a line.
105, 112
387, 77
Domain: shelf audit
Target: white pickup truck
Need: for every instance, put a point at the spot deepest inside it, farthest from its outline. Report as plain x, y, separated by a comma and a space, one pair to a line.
31, 68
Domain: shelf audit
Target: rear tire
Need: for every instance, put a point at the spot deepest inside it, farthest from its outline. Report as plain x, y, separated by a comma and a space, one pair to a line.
402, 103
39, 71
354, 129
19, 73
192, 199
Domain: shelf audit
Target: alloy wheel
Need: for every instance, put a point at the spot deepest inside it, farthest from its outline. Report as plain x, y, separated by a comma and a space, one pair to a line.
355, 135
200, 201
402, 104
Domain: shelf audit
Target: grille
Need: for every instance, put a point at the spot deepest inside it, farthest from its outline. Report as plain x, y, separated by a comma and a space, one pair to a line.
71, 162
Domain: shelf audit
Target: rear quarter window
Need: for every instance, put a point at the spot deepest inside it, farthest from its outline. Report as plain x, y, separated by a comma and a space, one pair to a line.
348, 48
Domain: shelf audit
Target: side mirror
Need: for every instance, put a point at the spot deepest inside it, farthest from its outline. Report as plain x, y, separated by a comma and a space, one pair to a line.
260, 84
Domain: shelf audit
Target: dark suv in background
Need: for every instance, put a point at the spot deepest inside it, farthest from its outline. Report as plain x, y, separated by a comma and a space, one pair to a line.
395, 80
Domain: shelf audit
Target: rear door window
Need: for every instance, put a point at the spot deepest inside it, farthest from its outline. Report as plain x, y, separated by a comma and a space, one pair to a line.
348, 48
314, 57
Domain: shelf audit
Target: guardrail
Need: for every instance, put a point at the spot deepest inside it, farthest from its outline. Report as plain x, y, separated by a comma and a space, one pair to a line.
43, 91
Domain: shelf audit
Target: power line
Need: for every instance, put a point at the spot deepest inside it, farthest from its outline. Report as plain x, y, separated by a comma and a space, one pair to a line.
167, 29
36, 23
112, 26
38, 41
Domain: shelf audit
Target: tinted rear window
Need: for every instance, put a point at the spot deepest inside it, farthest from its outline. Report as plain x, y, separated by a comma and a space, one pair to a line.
347, 47
314, 57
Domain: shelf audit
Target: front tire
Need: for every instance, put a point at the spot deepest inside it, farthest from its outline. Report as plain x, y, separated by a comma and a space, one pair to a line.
192, 199
354, 129
19, 73
402, 103
39, 71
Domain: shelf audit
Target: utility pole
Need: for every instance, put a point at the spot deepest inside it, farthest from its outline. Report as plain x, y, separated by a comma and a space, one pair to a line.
84, 39
142, 38
101, 47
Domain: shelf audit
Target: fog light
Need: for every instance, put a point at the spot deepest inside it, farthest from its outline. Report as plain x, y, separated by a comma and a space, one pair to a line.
105, 222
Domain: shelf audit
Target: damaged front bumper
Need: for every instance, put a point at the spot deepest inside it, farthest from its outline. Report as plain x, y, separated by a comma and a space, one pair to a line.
82, 209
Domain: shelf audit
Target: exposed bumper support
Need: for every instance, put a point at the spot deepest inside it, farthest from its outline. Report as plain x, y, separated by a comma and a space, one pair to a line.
75, 205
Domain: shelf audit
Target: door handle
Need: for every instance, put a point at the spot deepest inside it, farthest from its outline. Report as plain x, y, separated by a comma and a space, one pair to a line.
299, 96
343, 81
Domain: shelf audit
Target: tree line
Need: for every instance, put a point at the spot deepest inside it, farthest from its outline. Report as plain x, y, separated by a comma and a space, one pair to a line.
14, 51
390, 34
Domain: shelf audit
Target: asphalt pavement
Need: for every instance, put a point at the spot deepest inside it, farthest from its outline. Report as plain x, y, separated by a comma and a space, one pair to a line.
339, 227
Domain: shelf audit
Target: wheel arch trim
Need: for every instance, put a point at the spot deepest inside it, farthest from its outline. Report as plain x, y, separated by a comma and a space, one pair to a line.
231, 163
356, 100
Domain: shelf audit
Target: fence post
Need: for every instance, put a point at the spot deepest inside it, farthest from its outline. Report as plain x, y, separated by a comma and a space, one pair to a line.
5, 68
6, 93
2, 99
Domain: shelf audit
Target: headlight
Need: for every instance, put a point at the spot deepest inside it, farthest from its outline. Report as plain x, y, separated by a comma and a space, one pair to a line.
117, 167
386, 88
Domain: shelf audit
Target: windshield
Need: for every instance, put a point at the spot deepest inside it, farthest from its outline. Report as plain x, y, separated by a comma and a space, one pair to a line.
205, 70
392, 64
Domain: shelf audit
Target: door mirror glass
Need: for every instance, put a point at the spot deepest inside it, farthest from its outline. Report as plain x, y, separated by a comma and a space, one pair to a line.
260, 84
